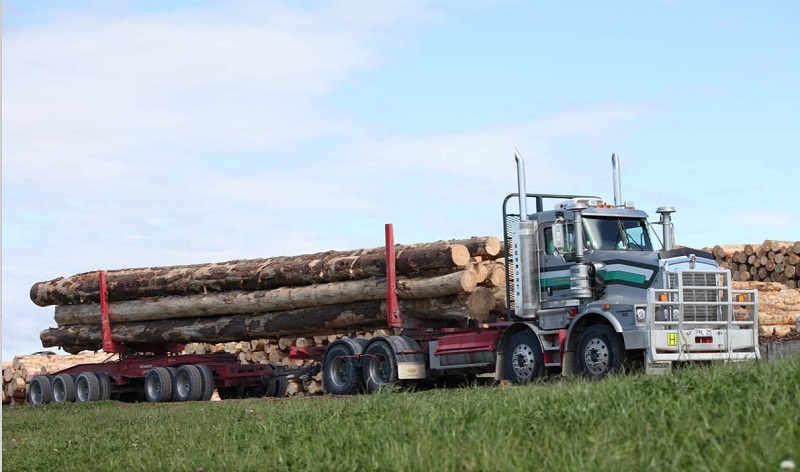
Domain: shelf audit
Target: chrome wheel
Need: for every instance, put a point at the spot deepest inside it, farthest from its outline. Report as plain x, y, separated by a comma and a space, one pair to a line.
523, 361
596, 356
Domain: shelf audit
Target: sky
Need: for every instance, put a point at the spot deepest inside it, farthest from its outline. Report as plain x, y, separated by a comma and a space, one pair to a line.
149, 133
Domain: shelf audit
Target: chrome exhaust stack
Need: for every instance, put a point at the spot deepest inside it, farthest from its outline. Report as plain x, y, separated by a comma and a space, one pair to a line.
526, 274
668, 230
617, 181
523, 204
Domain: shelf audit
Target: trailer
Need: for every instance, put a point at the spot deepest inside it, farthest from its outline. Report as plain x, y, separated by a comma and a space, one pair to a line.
160, 373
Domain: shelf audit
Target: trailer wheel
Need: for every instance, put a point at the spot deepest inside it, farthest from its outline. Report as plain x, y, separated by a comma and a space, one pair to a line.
281, 384
379, 366
63, 388
600, 352
207, 379
158, 385
87, 387
187, 386
105, 386
40, 390
340, 372
524, 361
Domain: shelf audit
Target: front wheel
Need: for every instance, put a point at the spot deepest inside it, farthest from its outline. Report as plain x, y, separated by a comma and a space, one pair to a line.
600, 352
524, 361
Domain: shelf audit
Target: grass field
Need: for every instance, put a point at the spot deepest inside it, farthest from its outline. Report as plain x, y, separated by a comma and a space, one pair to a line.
733, 417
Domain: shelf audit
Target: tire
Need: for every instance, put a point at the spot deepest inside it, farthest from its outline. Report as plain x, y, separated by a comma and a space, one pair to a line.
258, 391
63, 388
105, 386
207, 380
87, 387
40, 390
523, 360
158, 385
600, 352
281, 384
379, 366
187, 386
341, 374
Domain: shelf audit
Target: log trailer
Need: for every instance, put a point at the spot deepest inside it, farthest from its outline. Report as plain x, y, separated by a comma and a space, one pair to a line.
586, 291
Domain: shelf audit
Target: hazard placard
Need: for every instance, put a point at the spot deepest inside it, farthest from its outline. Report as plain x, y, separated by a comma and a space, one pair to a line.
672, 339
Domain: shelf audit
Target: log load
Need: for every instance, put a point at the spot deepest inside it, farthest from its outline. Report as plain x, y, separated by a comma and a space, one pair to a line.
279, 299
453, 282
305, 321
262, 274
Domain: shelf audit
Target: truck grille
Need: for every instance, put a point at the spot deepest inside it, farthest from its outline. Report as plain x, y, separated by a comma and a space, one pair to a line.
700, 287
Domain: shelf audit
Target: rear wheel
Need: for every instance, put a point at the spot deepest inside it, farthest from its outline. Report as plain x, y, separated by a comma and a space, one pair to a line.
523, 361
158, 385
63, 388
379, 366
188, 384
40, 390
105, 386
281, 384
207, 379
600, 352
340, 372
87, 387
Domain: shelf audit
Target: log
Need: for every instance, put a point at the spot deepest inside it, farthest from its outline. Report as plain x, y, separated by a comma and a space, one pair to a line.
8, 372
279, 299
723, 251
312, 321
252, 274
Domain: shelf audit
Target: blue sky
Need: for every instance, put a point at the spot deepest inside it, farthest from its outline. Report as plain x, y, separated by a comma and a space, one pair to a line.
145, 133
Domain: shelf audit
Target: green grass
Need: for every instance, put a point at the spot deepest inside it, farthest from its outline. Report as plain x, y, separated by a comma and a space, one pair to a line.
732, 417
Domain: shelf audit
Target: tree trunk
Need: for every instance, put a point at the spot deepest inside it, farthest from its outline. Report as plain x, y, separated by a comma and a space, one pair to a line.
312, 321
253, 274
279, 299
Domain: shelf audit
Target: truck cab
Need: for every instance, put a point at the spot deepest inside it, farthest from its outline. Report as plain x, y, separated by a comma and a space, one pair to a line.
585, 275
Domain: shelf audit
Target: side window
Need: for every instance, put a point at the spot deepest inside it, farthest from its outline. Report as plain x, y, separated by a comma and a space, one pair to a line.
549, 246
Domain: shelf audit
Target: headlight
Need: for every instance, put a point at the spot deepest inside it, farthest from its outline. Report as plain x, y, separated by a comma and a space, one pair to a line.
640, 314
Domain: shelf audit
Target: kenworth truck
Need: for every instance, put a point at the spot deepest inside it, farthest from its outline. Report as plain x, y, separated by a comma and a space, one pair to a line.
585, 291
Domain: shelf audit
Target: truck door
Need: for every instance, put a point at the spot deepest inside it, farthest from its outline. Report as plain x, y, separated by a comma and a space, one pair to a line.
555, 269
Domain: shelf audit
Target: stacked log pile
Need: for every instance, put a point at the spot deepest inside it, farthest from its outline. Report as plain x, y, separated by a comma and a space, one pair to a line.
778, 307
21, 369
770, 261
456, 281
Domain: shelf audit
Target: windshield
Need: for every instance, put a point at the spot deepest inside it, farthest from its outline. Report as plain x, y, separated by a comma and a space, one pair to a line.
617, 233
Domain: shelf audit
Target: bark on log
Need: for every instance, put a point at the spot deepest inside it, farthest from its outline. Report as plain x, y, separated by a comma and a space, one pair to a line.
304, 322
279, 299
251, 274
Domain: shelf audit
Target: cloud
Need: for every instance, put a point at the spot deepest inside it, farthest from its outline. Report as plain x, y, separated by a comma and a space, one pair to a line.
146, 138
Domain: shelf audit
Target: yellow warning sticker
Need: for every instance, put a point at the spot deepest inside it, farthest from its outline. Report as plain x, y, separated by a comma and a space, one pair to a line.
672, 339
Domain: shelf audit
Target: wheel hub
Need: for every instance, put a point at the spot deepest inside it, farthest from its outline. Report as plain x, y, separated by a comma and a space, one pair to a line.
596, 356
524, 361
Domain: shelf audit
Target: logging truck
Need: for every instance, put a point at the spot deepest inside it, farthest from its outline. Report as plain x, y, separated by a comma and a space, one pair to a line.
585, 293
